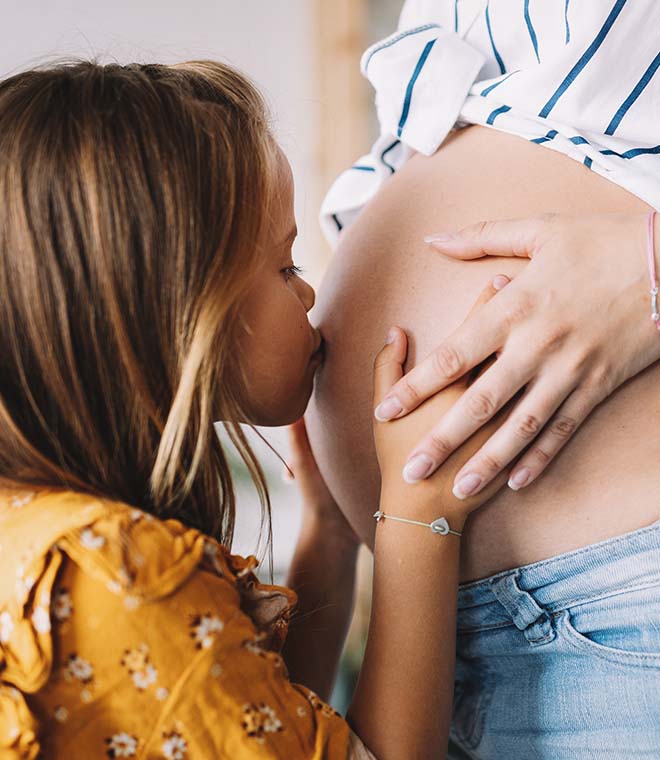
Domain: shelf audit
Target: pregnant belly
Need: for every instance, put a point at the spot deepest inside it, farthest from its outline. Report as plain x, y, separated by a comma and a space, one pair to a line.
605, 481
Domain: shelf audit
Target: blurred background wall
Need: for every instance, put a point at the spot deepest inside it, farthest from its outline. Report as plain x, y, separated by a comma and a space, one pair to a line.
304, 55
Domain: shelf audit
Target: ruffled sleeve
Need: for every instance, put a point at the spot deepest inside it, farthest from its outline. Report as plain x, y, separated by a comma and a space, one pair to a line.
158, 644
29, 563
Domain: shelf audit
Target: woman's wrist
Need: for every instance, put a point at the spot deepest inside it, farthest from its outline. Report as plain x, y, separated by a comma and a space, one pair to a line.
410, 503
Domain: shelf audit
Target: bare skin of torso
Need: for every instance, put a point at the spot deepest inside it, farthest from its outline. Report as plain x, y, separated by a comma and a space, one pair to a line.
606, 479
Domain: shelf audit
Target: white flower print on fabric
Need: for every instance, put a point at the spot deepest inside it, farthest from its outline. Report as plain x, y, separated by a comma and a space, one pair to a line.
174, 746
19, 500
131, 602
86, 696
23, 583
203, 630
91, 540
256, 645
162, 694
41, 619
78, 668
61, 714
318, 704
259, 646
6, 627
61, 607
259, 720
216, 670
139, 666
136, 659
122, 745
212, 554
144, 678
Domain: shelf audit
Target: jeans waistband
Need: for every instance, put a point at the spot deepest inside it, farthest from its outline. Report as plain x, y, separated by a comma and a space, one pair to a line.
526, 596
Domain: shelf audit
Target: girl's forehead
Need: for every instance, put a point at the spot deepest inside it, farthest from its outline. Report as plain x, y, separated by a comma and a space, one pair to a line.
284, 173
283, 195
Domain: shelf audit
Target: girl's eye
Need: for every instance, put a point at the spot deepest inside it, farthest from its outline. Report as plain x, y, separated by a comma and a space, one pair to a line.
292, 271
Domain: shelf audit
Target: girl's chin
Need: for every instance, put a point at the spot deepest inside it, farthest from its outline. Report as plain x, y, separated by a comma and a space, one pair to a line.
281, 417
296, 413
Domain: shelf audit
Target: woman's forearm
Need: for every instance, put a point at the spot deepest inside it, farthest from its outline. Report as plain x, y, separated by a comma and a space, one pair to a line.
322, 573
409, 661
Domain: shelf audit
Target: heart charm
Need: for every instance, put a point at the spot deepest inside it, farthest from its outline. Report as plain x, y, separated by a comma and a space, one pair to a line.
440, 526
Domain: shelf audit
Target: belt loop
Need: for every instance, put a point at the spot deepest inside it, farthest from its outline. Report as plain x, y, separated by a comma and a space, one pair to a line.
527, 616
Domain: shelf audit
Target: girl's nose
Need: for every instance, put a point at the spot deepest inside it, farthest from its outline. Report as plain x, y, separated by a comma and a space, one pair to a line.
308, 296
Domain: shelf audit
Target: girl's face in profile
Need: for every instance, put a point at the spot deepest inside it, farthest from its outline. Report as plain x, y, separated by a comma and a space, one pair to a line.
279, 348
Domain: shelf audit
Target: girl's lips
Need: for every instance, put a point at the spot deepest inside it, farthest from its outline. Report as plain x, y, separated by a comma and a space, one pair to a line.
319, 343
318, 355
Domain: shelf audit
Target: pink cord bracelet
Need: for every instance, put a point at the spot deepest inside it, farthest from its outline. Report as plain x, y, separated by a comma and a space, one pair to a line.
650, 250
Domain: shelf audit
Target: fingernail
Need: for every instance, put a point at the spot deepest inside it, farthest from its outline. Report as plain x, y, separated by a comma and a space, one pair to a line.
519, 478
467, 485
388, 409
440, 237
391, 336
417, 468
500, 280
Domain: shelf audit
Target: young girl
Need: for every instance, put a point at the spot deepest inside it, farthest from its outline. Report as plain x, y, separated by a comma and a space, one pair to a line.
147, 289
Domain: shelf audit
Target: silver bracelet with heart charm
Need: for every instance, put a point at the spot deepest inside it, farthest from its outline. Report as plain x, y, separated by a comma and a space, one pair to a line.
439, 526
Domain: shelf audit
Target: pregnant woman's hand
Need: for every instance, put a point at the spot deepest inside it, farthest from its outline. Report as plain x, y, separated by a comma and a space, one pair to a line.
432, 497
569, 330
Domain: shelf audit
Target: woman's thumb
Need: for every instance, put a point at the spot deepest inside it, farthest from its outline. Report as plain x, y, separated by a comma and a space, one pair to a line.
506, 237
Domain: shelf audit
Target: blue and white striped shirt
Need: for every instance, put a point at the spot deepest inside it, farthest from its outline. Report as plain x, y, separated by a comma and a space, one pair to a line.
580, 77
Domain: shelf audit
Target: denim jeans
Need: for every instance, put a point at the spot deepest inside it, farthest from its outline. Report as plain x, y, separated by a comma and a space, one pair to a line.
560, 659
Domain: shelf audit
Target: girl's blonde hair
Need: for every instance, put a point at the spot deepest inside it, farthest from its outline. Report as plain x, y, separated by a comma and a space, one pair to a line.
134, 200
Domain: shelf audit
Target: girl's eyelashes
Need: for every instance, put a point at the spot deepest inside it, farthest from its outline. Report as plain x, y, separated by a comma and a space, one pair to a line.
292, 271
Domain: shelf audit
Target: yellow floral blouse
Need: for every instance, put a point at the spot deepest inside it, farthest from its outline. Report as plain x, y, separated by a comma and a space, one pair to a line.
124, 636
